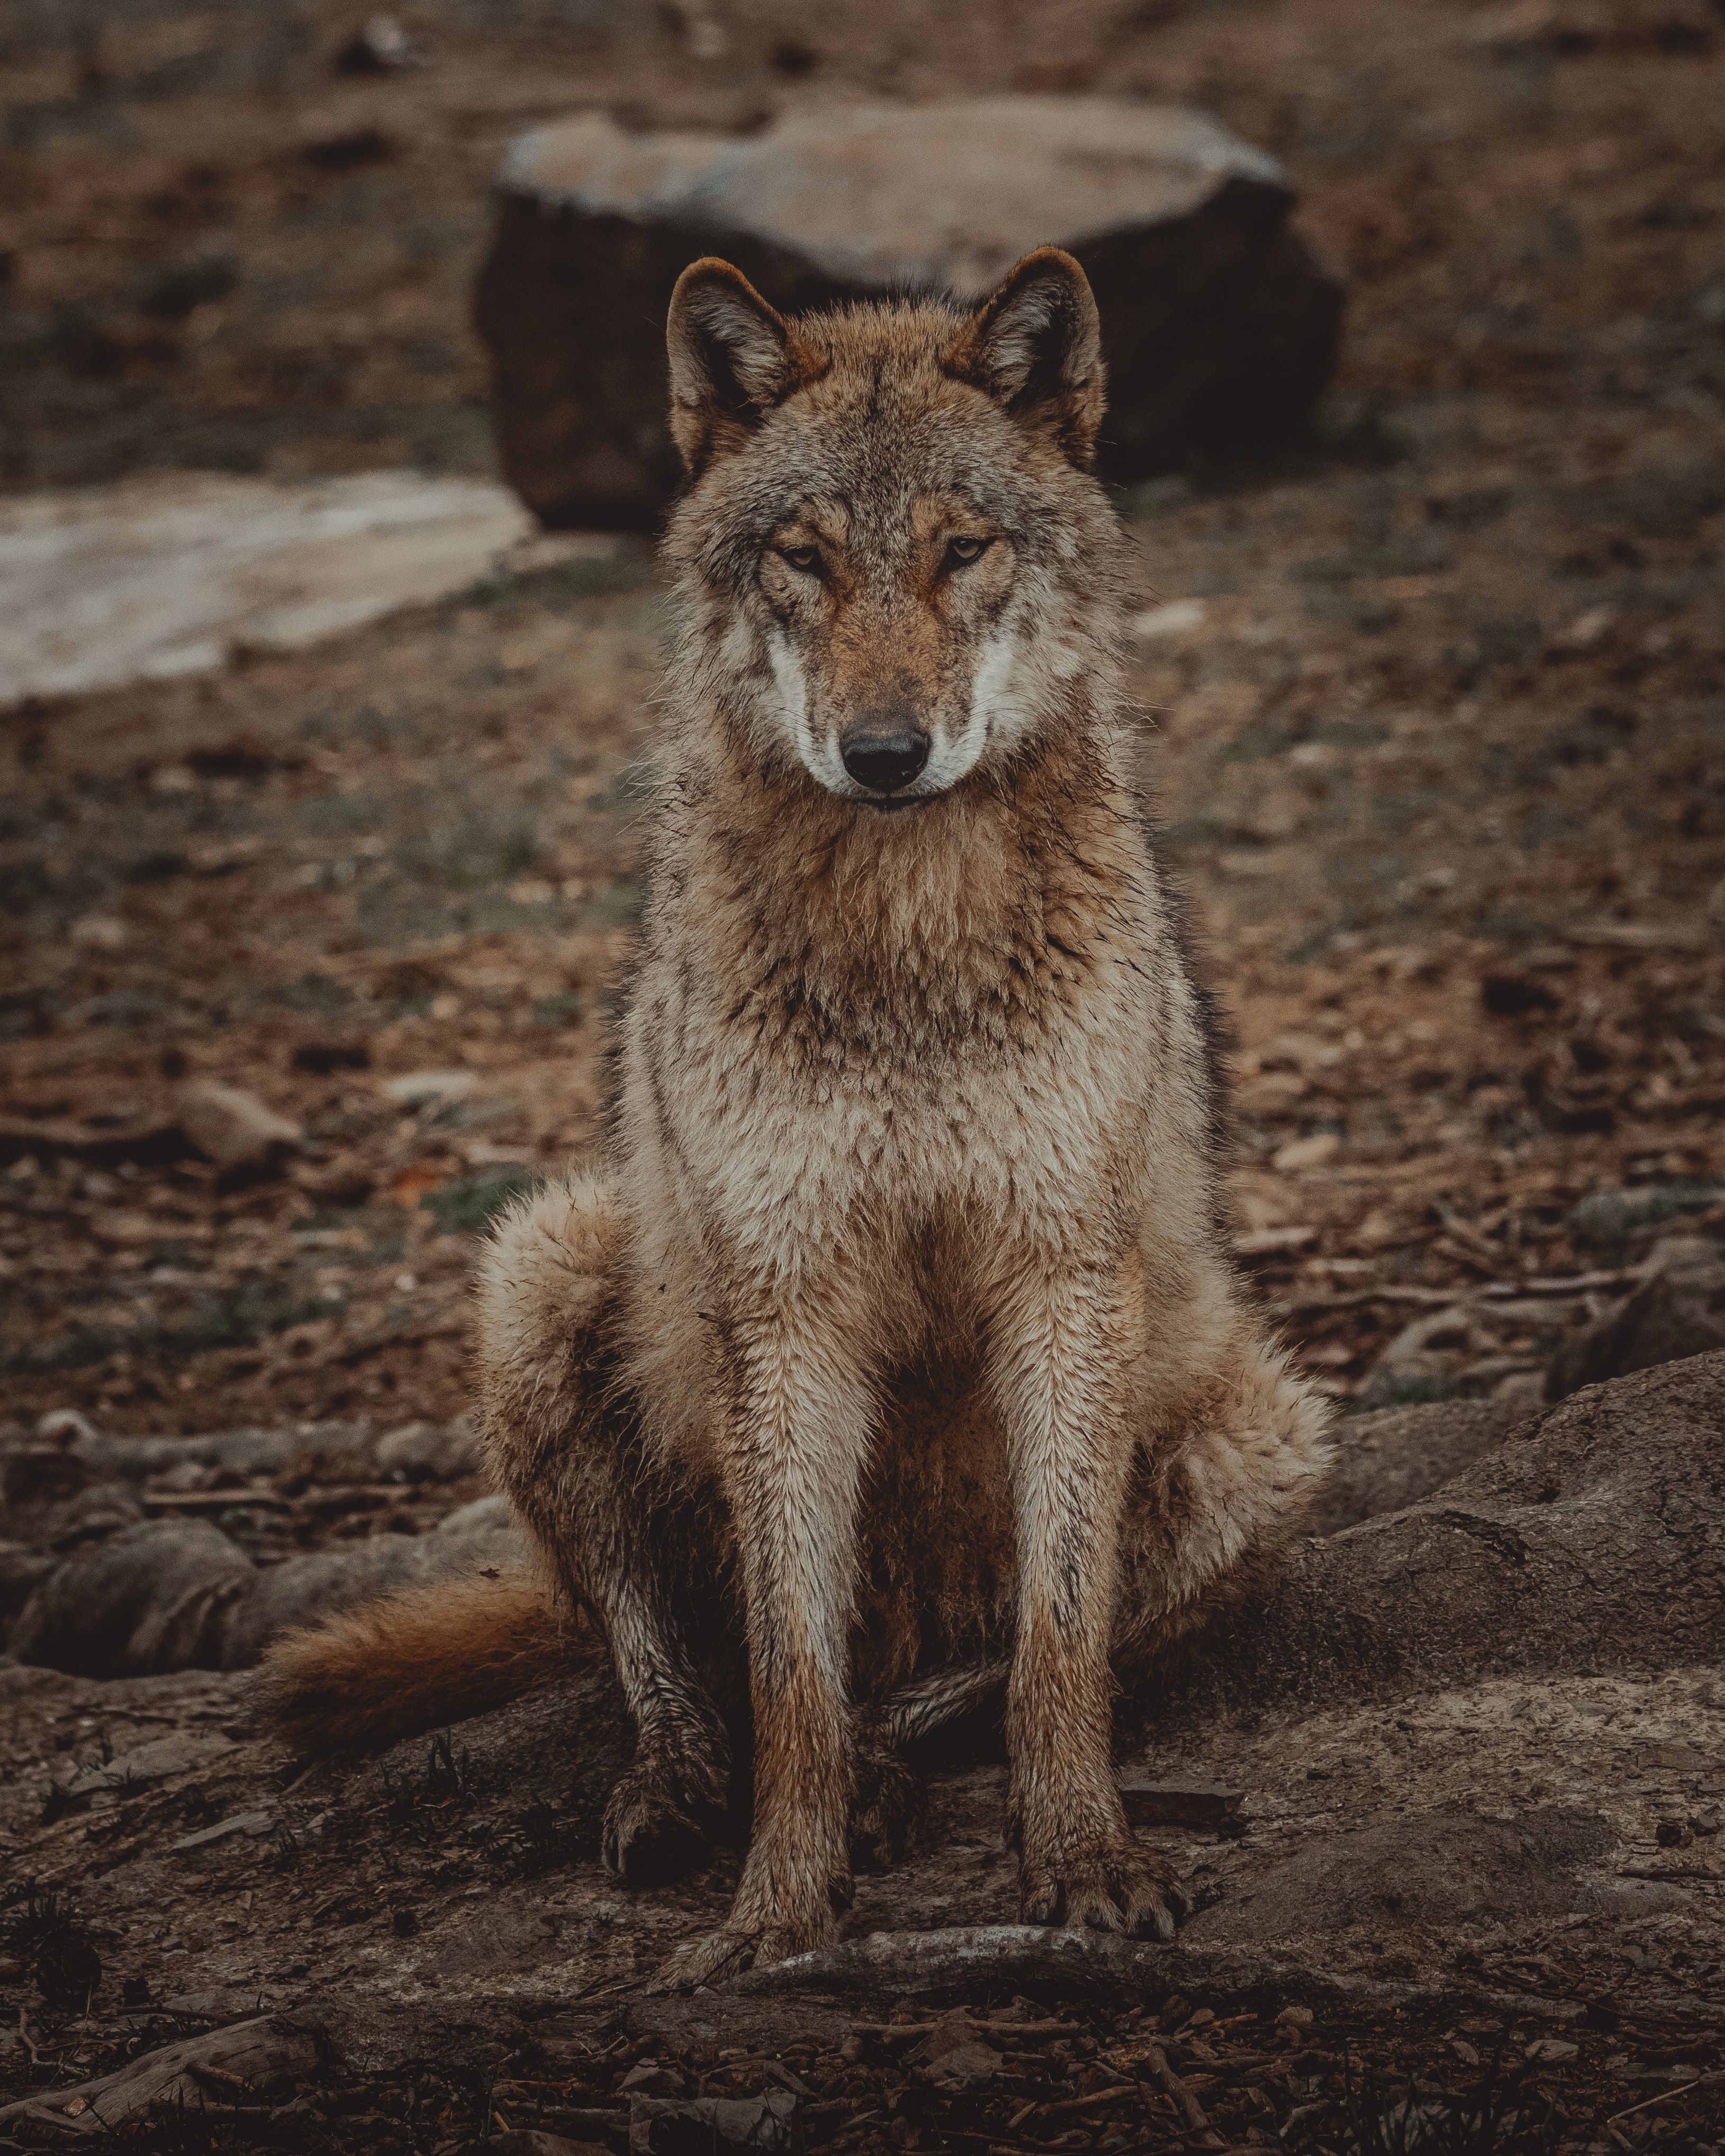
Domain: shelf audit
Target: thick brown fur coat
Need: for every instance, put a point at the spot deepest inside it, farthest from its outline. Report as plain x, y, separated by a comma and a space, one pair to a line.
893, 1350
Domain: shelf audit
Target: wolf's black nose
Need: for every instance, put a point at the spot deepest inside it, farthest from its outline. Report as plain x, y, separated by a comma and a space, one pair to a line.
883, 762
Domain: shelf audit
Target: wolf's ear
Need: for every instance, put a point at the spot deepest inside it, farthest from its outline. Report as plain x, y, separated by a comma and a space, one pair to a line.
732, 359
1035, 346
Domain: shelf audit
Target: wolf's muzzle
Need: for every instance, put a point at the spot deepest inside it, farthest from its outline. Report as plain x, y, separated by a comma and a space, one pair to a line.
884, 762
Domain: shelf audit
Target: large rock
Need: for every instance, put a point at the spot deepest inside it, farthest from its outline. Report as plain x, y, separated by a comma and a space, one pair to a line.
171, 573
1589, 1542
176, 1594
1219, 324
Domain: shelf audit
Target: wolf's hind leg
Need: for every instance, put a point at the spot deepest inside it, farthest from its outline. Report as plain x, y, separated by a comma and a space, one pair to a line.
562, 1435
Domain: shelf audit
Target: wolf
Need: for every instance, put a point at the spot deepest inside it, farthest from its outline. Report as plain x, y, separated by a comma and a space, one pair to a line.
892, 1354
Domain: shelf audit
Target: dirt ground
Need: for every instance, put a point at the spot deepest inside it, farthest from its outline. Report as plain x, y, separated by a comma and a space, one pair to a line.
1438, 730
1442, 762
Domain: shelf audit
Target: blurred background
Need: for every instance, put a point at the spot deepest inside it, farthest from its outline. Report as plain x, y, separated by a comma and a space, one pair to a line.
323, 761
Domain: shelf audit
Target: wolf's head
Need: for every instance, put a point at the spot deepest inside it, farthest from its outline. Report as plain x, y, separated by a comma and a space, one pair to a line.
898, 568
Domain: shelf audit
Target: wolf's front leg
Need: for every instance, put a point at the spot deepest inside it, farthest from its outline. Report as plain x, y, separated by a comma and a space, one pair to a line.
794, 1447
1060, 1342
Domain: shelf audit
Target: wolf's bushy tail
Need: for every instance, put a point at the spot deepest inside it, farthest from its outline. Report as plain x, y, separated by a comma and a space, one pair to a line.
412, 1662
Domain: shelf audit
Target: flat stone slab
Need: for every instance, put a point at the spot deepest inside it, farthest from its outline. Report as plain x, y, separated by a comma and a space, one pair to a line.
1219, 324
172, 574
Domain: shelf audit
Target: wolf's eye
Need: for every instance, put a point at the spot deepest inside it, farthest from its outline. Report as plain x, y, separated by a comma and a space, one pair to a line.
807, 559
961, 552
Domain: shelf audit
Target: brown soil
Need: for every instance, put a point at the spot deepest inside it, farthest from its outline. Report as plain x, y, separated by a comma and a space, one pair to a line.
1443, 765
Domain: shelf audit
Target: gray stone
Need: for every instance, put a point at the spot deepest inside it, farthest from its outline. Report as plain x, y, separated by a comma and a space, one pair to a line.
176, 1594
91, 1454
22, 1572
156, 1761
308, 1588
153, 1597
658, 2127
232, 1127
102, 1510
484, 1516
1587, 1540
1219, 324
431, 1451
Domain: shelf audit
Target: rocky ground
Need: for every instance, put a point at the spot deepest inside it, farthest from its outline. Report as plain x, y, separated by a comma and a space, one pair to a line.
1438, 737
1445, 1803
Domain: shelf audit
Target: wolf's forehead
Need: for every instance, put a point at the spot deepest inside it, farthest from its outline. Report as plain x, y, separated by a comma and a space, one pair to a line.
872, 468
880, 508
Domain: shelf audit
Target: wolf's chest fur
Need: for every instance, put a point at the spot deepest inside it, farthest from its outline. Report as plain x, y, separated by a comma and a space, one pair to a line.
853, 1021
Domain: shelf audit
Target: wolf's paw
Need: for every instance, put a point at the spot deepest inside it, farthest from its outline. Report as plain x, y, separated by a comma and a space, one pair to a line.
886, 1806
722, 1954
656, 1822
1112, 1886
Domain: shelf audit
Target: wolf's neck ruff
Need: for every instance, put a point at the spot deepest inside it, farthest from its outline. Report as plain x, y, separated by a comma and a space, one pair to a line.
978, 917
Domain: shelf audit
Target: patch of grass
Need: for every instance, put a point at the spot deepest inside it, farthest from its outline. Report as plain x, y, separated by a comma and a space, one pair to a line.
316, 992
468, 1209
566, 584
56, 1801
566, 1007
1360, 430
444, 1779
542, 1840
1500, 2117
244, 1316
48, 1936
1658, 504
470, 852
1404, 1391
1157, 497
445, 1772
1612, 1216
1383, 554
238, 1319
